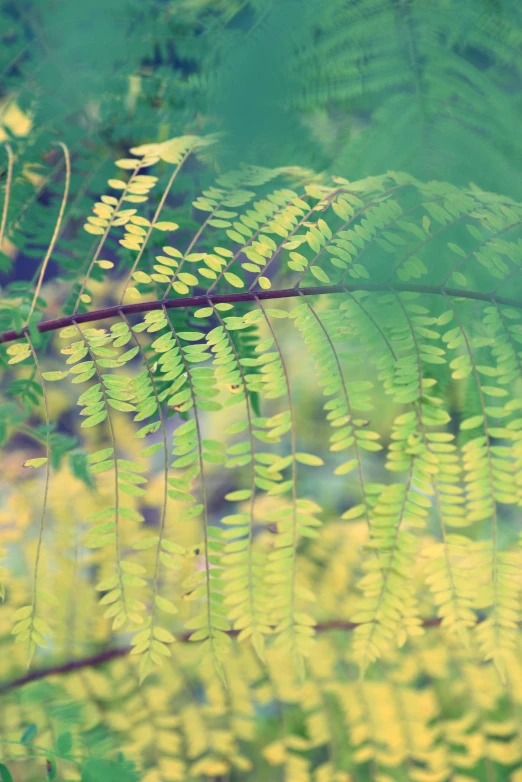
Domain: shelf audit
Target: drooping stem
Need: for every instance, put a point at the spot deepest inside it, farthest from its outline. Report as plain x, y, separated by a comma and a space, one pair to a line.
8, 184
56, 231
43, 513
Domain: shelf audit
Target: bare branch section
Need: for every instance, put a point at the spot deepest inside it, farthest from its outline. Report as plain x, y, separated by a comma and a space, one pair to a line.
231, 298
113, 654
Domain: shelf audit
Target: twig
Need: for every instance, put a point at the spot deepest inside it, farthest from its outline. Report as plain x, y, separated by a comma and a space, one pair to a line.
232, 298
113, 654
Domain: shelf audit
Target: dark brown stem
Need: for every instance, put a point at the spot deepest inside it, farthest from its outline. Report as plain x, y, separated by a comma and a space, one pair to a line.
113, 654
232, 298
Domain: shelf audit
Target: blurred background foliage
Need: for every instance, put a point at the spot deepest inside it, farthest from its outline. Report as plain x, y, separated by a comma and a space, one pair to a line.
351, 87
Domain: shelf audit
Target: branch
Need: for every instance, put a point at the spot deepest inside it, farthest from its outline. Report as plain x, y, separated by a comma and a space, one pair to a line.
113, 654
231, 298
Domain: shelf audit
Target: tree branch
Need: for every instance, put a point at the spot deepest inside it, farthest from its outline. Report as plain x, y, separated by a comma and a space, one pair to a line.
231, 298
113, 654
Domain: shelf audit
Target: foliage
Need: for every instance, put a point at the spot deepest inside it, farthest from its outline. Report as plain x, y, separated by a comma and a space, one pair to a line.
190, 398
260, 425
358, 86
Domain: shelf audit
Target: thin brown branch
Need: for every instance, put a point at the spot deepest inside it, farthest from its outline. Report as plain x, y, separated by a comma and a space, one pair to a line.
113, 654
285, 293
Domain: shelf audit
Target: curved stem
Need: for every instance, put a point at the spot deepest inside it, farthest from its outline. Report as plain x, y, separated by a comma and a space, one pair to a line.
154, 221
44, 503
104, 237
202, 484
112, 435
284, 293
163, 516
8, 184
251, 599
344, 225
57, 227
293, 430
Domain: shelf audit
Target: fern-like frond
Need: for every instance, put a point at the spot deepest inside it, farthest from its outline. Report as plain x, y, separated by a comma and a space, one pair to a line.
226, 548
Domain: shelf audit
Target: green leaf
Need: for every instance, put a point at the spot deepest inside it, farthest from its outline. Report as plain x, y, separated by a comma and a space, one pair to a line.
166, 226
39, 462
319, 274
459, 278
310, 459
100, 456
29, 733
347, 467
161, 634
54, 375
108, 771
141, 277
188, 279
94, 420
151, 450
238, 496
234, 280
473, 422
5, 774
119, 405
190, 336
204, 312
64, 743
165, 605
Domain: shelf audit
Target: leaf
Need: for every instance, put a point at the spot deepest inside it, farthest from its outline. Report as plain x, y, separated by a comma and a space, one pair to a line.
51, 376
18, 357
22, 613
238, 496
94, 420
456, 249
165, 605
64, 743
119, 405
190, 336
96, 770
234, 280
188, 279
151, 450
310, 459
29, 733
345, 468
5, 774
204, 312
141, 277
319, 274
163, 635
166, 226
473, 422
100, 456
172, 251
459, 278
38, 462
